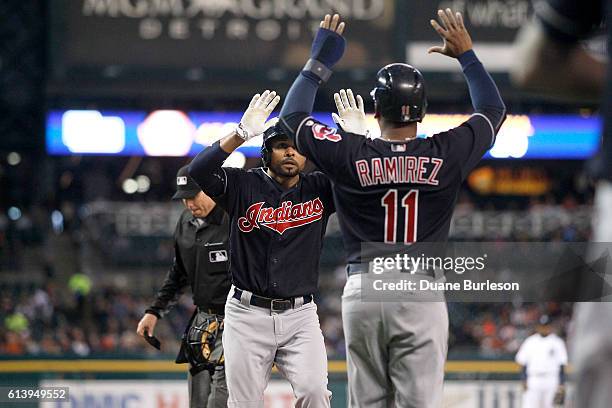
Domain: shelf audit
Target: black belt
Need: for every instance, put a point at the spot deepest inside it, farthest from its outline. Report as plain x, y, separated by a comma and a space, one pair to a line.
356, 269
212, 309
276, 305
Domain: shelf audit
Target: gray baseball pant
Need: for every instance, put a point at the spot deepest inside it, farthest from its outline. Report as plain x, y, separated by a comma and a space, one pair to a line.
592, 354
255, 338
395, 350
592, 338
206, 391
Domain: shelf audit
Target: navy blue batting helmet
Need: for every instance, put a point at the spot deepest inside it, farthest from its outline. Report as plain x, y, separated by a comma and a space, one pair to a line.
269, 134
399, 85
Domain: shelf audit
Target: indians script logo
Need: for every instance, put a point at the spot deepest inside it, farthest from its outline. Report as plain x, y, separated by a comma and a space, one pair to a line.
280, 219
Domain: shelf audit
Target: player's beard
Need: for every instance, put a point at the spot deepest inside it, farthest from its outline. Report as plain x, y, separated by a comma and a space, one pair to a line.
279, 170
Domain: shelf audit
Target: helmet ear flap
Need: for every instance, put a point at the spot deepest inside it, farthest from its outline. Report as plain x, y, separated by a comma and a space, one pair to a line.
374, 95
265, 157
271, 132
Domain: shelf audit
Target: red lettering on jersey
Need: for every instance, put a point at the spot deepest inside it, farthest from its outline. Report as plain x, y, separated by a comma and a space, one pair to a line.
398, 170
266, 215
322, 132
297, 212
247, 223
434, 173
401, 173
363, 172
281, 219
378, 175
390, 168
411, 166
421, 170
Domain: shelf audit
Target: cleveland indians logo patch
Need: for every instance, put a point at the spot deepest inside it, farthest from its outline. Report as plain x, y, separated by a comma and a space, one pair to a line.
322, 132
280, 219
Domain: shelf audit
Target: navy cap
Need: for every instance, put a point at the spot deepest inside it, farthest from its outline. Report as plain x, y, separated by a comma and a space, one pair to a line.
185, 186
544, 320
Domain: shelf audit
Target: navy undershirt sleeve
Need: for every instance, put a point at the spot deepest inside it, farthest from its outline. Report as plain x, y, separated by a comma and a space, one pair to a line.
483, 91
301, 96
206, 170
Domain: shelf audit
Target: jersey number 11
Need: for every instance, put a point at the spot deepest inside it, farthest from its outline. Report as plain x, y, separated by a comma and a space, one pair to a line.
410, 203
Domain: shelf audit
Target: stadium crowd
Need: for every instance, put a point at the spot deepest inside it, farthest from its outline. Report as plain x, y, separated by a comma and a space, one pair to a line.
43, 321
52, 318
57, 314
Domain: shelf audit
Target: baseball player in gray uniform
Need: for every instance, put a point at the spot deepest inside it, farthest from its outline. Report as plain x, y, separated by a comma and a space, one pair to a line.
553, 59
278, 217
395, 189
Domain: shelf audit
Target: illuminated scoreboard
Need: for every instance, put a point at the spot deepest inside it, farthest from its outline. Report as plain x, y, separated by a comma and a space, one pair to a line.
178, 133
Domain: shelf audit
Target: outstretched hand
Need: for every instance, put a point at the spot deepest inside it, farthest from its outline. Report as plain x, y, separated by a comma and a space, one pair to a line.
351, 116
456, 38
333, 24
253, 120
329, 44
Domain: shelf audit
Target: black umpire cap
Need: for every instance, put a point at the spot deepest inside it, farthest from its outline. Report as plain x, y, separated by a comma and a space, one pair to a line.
185, 186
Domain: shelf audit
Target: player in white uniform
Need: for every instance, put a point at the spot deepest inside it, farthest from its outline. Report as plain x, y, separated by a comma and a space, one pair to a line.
543, 357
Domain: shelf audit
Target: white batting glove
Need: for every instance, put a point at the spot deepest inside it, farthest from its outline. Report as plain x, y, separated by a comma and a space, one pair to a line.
253, 120
351, 116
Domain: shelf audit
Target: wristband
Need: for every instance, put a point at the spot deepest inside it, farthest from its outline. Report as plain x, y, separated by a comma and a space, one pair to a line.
318, 69
242, 132
153, 312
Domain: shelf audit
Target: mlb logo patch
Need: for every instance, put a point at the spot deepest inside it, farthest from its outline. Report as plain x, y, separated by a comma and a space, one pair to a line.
217, 256
398, 147
181, 181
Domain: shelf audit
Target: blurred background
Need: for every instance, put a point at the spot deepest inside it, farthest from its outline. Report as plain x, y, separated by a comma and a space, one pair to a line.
102, 101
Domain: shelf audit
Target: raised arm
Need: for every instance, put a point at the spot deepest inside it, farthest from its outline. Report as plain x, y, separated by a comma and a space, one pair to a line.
485, 96
327, 49
206, 167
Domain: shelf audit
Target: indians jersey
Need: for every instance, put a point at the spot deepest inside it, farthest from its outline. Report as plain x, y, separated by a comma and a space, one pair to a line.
275, 235
395, 192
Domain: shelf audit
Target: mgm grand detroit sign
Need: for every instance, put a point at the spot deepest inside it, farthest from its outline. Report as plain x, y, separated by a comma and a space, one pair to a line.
267, 20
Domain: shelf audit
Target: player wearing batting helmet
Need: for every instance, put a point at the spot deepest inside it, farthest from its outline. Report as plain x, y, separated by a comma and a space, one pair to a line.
397, 189
278, 217
272, 132
399, 94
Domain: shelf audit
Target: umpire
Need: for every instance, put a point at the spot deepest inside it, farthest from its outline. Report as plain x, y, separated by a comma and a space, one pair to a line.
201, 262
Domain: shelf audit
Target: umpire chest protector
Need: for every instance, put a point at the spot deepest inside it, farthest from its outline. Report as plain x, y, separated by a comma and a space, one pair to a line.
203, 250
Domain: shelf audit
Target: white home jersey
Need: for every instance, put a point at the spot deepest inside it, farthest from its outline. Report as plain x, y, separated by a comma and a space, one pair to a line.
543, 357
